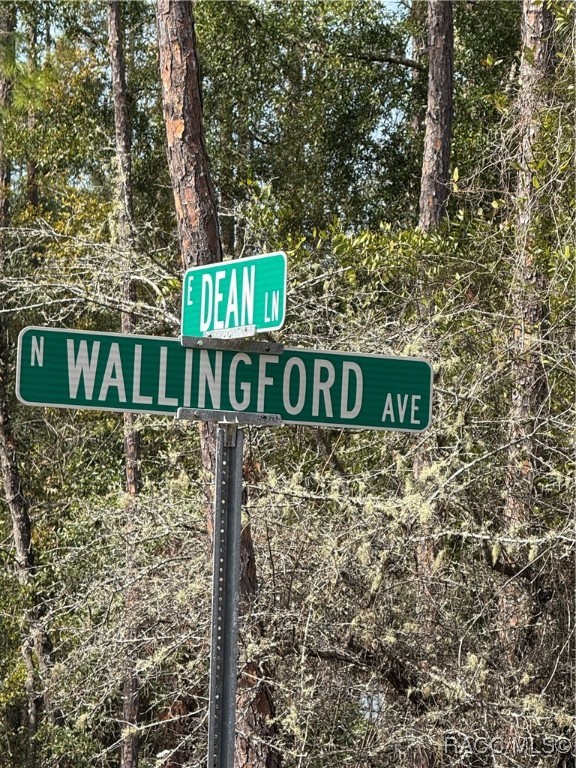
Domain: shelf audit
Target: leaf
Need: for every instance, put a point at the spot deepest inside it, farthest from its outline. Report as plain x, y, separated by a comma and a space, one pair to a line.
496, 550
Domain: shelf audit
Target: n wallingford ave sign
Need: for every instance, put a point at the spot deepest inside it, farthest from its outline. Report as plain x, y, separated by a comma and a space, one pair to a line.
152, 374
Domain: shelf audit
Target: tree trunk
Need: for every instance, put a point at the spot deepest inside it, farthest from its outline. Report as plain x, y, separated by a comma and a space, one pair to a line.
22, 536
187, 158
200, 244
438, 134
17, 503
194, 199
433, 196
417, 23
122, 130
528, 308
131, 686
434, 189
126, 230
255, 703
7, 52
32, 191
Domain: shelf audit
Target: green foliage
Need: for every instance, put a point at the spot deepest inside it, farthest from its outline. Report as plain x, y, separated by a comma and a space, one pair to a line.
487, 46
299, 109
68, 747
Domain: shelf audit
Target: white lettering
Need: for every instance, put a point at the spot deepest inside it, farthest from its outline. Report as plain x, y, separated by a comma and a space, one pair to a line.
266, 316
206, 302
37, 355
402, 405
187, 378
263, 380
113, 376
232, 307
413, 409
347, 369
218, 296
190, 286
82, 366
239, 405
275, 305
322, 387
212, 378
294, 362
274, 312
136, 396
248, 275
162, 399
388, 411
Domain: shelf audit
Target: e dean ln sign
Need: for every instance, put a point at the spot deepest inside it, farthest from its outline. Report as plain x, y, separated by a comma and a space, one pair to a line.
152, 374
247, 294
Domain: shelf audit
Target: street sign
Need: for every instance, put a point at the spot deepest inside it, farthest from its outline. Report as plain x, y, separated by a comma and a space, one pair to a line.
232, 298
153, 374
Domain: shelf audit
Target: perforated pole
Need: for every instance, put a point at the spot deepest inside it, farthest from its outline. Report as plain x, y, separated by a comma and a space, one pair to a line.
225, 596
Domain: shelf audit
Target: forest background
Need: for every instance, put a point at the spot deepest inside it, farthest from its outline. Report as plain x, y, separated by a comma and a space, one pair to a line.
406, 600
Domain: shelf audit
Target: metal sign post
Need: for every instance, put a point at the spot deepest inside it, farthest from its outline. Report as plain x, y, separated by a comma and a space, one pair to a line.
225, 576
225, 596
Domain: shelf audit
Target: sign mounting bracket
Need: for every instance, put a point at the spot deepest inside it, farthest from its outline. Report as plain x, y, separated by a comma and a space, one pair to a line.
230, 417
244, 331
233, 344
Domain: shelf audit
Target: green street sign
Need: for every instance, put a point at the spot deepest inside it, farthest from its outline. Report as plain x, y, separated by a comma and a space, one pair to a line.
152, 374
233, 298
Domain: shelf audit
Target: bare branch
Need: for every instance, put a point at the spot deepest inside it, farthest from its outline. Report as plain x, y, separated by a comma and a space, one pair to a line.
384, 58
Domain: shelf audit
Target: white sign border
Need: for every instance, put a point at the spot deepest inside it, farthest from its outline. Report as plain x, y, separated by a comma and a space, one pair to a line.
171, 414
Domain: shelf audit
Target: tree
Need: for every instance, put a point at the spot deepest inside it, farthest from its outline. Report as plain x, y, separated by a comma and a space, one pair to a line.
432, 206
200, 244
126, 235
25, 560
438, 124
528, 307
194, 199
7, 30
